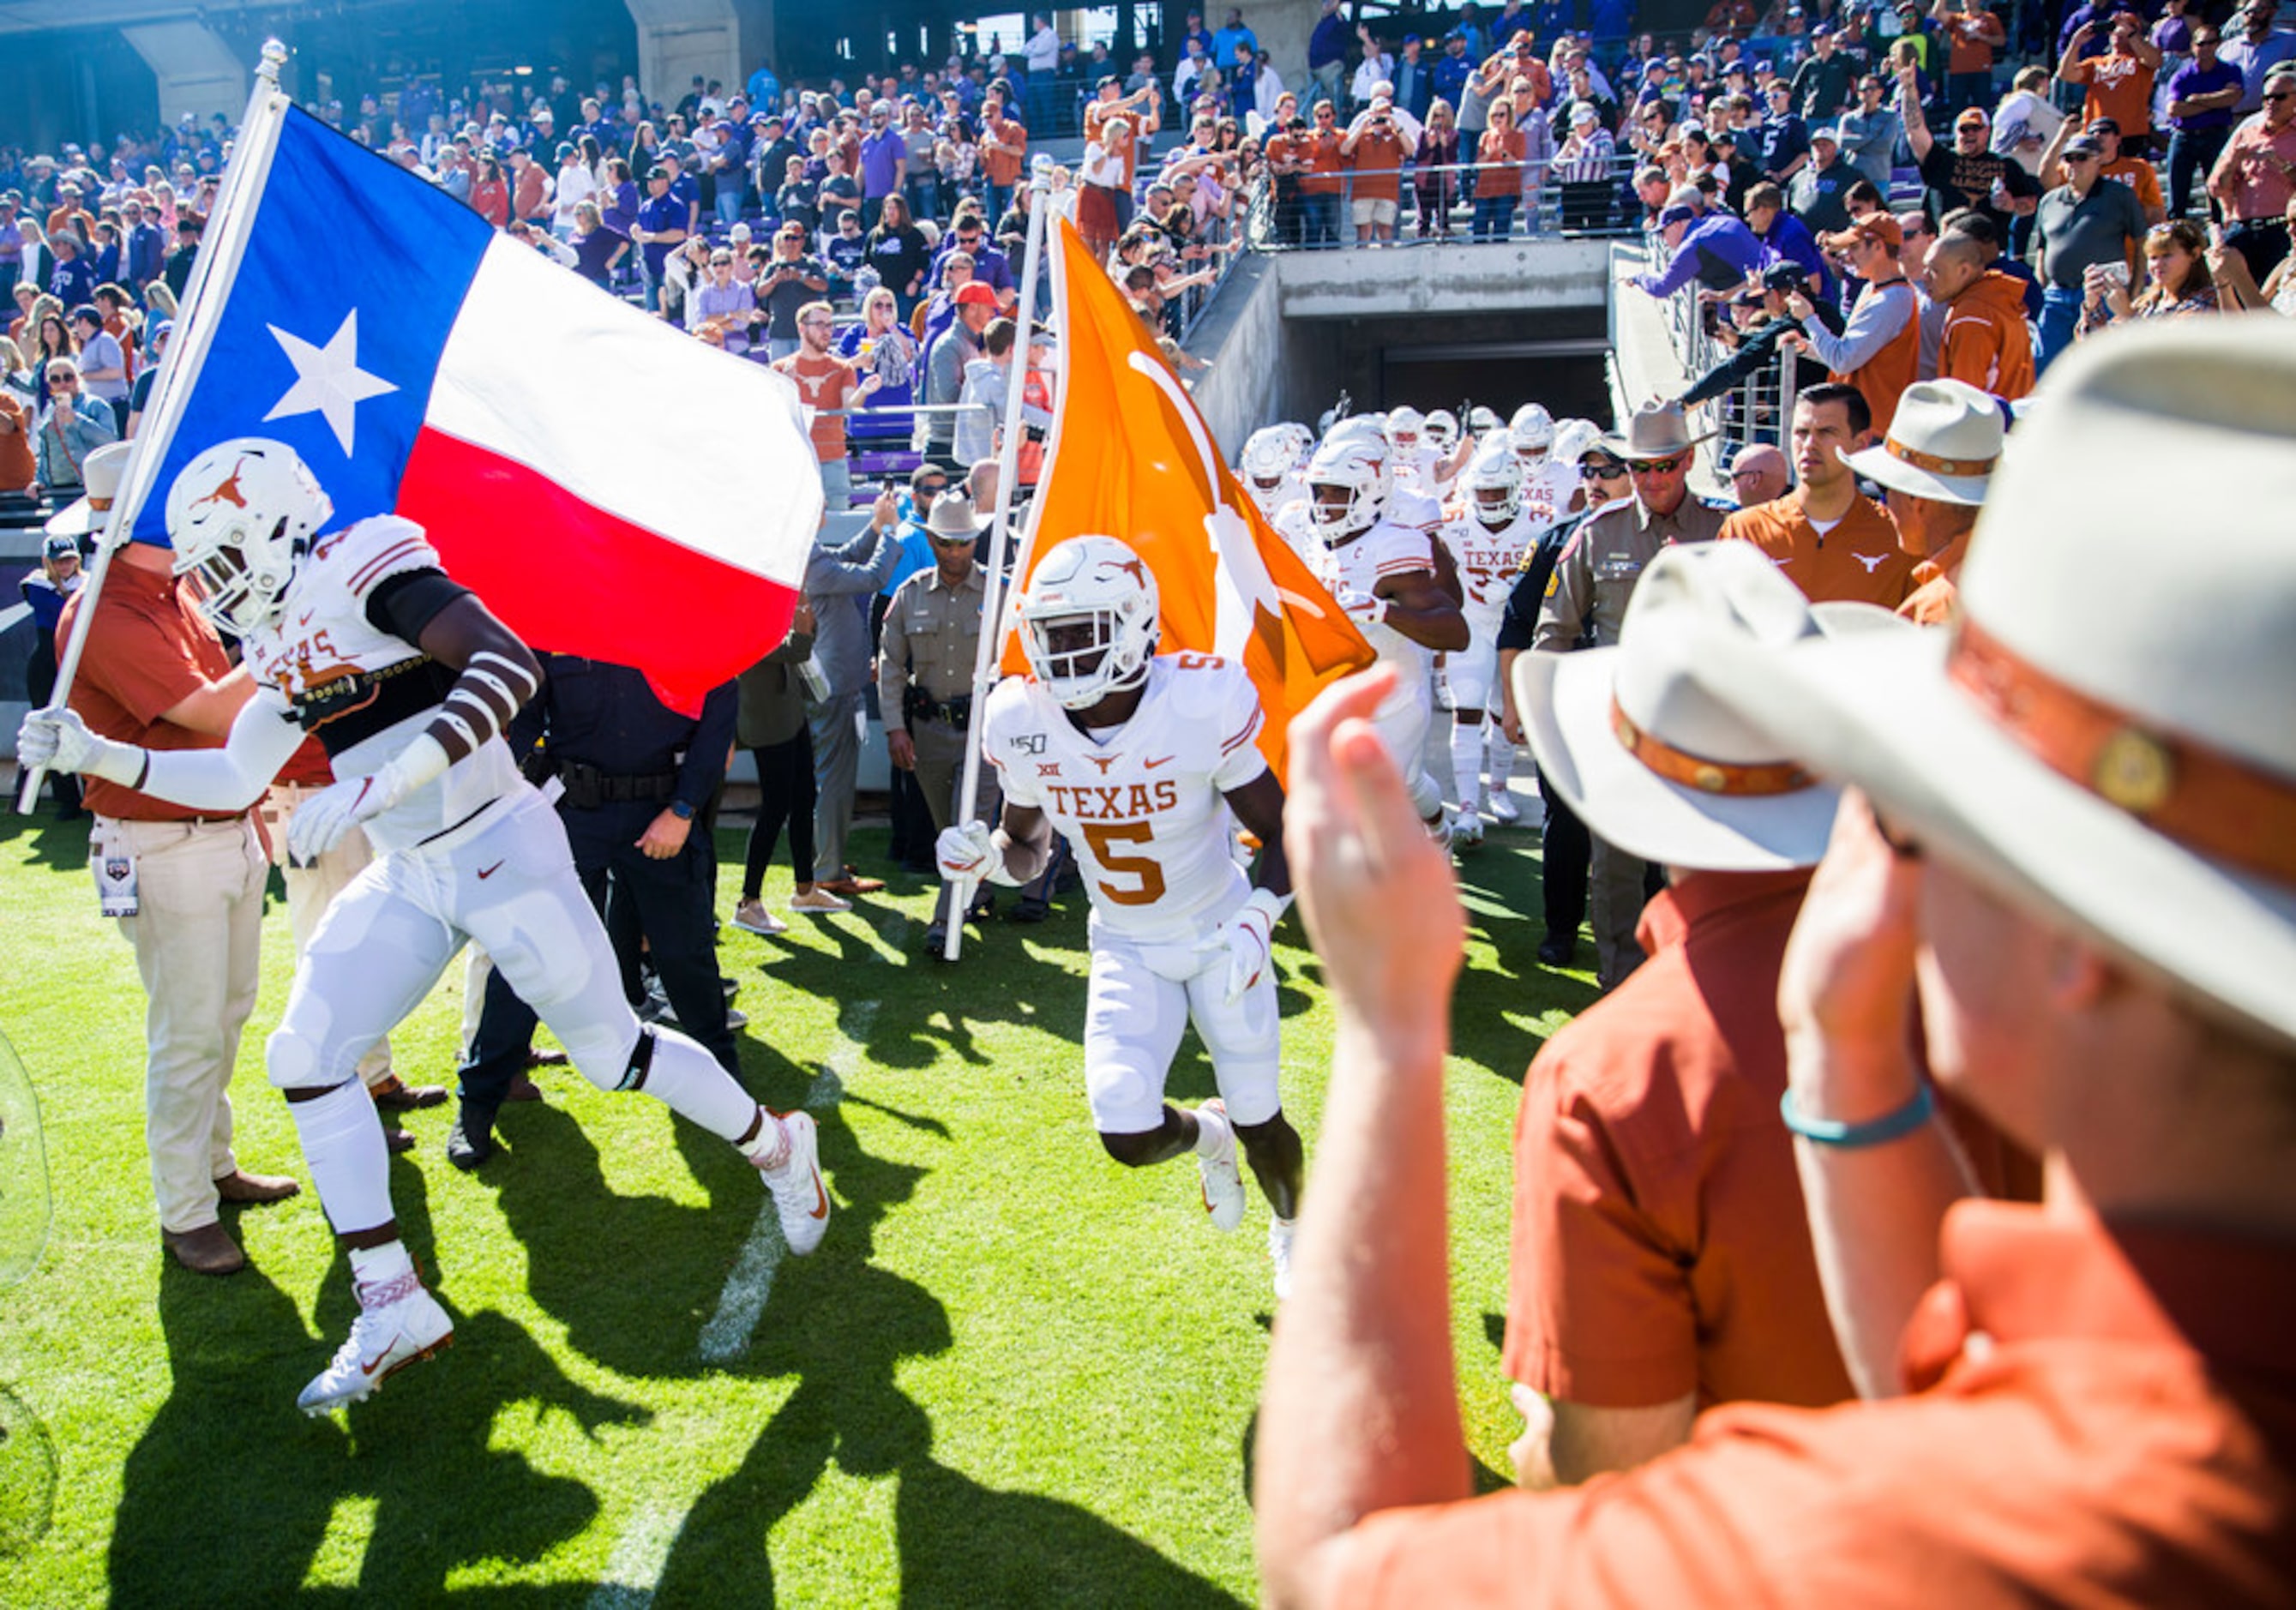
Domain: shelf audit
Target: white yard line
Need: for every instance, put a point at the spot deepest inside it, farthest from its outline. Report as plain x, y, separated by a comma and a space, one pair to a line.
743, 1303
638, 1557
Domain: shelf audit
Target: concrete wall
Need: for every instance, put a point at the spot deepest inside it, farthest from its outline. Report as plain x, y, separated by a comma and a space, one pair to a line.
198, 72
722, 39
1460, 279
1242, 339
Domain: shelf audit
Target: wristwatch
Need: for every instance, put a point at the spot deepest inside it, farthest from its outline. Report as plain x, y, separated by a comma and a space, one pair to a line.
683, 811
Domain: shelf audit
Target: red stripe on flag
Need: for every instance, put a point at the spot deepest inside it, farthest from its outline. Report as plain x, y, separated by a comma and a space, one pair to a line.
567, 576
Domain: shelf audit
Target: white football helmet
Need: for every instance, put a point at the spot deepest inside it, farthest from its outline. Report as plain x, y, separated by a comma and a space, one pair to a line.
1348, 484
1494, 486
1442, 431
1088, 620
239, 515
1481, 419
1404, 426
1532, 432
1572, 438
1302, 440
1268, 460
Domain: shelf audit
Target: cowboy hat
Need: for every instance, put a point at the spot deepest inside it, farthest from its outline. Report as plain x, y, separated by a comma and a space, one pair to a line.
2135, 784
1655, 432
952, 516
1654, 762
1944, 442
100, 474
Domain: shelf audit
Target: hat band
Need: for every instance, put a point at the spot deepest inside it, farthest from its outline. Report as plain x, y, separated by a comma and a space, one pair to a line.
2209, 802
1719, 778
1940, 466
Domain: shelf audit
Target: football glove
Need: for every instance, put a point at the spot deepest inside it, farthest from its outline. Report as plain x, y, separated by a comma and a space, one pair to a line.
1243, 941
1367, 609
58, 740
321, 821
968, 852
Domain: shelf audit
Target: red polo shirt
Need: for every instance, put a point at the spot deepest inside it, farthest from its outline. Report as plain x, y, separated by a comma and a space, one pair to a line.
2108, 1416
1660, 1244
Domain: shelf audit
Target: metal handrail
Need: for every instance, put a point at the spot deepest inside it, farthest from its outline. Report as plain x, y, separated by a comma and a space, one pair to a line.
1548, 214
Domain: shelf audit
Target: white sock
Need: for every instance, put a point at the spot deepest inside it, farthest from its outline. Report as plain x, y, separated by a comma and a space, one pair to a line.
688, 1080
1467, 764
1214, 1133
373, 1265
344, 1149
769, 1148
1498, 756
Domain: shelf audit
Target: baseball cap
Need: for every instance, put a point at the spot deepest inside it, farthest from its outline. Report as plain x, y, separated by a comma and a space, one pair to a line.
1826, 132
2082, 145
1971, 117
1582, 112
1783, 277
1873, 226
2101, 125
973, 294
60, 546
1675, 212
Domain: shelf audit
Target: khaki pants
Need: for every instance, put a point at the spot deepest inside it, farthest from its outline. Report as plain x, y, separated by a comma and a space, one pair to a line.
310, 890
197, 938
940, 773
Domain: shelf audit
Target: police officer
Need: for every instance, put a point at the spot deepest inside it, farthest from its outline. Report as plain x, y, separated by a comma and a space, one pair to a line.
1587, 599
924, 676
637, 775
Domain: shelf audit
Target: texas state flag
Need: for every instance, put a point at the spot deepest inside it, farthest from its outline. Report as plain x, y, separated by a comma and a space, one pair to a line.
608, 484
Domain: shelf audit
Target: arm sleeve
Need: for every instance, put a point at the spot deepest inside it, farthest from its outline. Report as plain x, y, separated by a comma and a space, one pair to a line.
1240, 718
893, 667
704, 765
1732, 372
1870, 326
1678, 275
264, 735
405, 604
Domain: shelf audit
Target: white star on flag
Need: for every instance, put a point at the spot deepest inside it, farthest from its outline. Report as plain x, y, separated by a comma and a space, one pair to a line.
328, 380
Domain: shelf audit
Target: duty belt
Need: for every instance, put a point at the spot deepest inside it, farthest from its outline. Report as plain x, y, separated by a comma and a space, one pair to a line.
919, 705
587, 787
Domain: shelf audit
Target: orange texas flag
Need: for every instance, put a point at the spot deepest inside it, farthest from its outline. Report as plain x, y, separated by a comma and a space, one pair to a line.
1130, 457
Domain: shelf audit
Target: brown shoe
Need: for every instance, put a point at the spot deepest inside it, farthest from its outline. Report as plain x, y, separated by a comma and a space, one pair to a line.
850, 884
397, 1139
240, 1186
395, 1095
543, 1059
207, 1249
522, 1088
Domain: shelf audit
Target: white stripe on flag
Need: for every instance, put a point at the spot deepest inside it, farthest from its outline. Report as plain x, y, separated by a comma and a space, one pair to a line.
631, 416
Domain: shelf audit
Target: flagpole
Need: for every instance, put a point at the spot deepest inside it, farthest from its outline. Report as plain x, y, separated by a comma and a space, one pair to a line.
1008, 471
212, 271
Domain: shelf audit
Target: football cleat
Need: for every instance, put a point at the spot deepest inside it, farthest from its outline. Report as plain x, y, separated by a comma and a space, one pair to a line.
1223, 1181
399, 1324
1467, 830
1438, 828
1280, 1232
799, 1199
1503, 809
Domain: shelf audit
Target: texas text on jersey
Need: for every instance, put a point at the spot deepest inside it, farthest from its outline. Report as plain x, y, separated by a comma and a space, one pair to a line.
1488, 561
1140, 803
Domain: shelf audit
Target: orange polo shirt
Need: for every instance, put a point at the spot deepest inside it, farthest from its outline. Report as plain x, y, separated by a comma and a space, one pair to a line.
1321, 147
1377, 163
2126, 1434
1858, 559
147, 652
1661, 1245
1003, 168
1936, 597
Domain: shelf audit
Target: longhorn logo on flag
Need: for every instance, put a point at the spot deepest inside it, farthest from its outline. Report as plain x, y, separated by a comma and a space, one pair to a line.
1130, 457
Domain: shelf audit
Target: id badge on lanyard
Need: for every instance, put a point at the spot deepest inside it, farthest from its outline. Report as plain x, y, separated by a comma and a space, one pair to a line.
114, 865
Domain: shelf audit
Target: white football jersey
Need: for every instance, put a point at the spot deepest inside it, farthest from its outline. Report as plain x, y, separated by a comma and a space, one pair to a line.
1290, 524
1488, 564
1356, 569
1143, 808
364, 692
1421, 470
1546, 491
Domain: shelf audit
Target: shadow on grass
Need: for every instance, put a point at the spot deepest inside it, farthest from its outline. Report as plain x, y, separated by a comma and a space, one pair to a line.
41, 839
845, 1326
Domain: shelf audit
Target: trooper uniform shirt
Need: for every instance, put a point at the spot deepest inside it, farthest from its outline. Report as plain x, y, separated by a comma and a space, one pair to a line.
1599, 567
931, 637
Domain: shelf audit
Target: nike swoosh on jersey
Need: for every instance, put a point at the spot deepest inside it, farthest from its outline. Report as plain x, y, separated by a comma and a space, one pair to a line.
486, 871
1159, 761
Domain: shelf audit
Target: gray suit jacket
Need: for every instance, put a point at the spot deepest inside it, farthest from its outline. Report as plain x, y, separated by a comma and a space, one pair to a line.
841, 579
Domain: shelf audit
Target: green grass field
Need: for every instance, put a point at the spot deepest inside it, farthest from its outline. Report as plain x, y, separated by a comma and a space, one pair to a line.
1014, 1373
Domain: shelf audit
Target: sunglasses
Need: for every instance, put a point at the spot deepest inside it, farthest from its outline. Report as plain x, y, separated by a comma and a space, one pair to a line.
2281, 95
60, 382
1602, 472
1658, 466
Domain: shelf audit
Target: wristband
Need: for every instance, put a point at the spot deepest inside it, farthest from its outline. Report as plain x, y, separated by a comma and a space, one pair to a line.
1874, 1132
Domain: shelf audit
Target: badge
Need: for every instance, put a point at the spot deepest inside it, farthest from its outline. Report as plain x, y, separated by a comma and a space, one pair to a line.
115, 878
